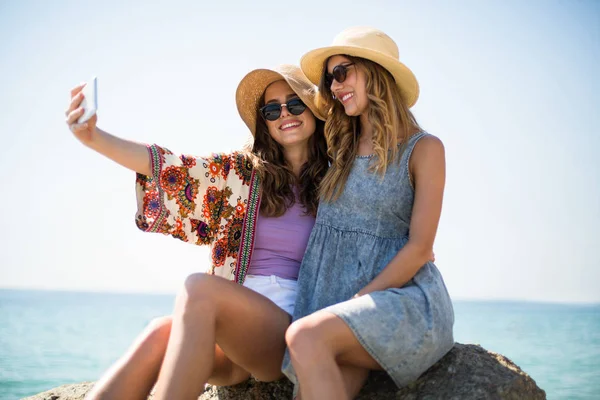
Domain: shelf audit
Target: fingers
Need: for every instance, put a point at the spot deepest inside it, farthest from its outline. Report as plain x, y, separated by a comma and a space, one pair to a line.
74, 111
75, 102
76, 98
77, 89
72, 121
72, 115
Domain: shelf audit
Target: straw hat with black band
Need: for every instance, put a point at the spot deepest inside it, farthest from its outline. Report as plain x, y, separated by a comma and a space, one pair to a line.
371, 44
252, 88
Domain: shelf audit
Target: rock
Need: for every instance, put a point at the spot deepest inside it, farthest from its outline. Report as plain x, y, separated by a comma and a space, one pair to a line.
471, 372
466, 372
65, 392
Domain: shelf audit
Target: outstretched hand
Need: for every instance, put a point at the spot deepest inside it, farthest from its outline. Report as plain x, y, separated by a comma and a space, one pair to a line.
83, 132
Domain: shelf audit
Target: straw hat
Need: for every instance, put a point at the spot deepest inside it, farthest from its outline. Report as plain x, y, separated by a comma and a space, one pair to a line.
253, 86
369, 43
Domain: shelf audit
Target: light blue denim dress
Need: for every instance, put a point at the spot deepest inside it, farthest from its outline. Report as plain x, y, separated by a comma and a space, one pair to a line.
406, 330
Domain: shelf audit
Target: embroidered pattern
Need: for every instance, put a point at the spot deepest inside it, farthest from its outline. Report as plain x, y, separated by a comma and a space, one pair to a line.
233, 233
172, 180
179, 232
198, 201
188, 161
186, 197
219, 253
151, 204
217, 166
247, 244
243, 168
156, 156
214, 201
202, 231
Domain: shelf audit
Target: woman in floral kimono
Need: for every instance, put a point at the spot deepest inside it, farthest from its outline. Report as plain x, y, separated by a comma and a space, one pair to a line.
255, 208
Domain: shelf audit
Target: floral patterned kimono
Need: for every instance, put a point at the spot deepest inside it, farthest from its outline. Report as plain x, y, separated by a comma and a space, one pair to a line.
205, 201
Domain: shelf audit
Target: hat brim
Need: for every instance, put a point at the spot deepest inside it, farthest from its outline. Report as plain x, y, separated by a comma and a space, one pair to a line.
312, 66
252, 87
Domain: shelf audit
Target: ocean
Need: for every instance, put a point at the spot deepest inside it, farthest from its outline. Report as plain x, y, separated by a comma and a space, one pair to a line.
50, 338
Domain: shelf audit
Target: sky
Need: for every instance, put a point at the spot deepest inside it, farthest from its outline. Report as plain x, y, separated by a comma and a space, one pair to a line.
511, 87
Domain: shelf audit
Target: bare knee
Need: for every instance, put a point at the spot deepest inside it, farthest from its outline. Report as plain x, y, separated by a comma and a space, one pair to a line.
155, 338
198, 296
198, 288
304, 341
159, 330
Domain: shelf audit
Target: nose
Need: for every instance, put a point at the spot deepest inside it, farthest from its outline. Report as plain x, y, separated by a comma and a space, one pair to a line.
335, 85
284, 111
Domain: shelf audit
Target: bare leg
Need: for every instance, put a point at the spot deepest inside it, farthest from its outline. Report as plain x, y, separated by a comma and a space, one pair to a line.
248, 327
318, 345
354, 379
225, 372
134, 375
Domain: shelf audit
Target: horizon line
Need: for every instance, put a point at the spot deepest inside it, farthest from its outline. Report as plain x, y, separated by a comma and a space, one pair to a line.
168, 293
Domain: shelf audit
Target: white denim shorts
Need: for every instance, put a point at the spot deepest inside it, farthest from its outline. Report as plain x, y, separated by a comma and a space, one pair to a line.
280, 291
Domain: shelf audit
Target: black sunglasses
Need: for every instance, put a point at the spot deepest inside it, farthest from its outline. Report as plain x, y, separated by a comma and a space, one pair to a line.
272, 111
339, 74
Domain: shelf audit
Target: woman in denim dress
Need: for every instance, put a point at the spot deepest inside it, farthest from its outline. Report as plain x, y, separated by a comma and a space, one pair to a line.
368, 296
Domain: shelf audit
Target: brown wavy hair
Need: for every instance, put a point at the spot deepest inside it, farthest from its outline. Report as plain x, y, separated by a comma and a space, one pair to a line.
276, 175
393, 123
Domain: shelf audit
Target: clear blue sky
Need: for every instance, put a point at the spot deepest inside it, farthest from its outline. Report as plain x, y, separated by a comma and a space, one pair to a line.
511, 87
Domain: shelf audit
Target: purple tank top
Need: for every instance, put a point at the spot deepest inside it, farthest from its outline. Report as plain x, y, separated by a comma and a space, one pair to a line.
279, 243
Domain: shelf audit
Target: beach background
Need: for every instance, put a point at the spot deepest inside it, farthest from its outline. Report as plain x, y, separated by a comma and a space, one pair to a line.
50, 338
511, 88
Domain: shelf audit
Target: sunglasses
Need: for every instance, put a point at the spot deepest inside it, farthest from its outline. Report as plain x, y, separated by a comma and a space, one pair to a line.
339, 74
272, 111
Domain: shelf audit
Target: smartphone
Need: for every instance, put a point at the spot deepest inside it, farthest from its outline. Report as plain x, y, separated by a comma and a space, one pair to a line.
90, 100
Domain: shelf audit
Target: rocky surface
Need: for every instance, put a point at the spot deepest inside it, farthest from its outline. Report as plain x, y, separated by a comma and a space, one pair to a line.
466, 372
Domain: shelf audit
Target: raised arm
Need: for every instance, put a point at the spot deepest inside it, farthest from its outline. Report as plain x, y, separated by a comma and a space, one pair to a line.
131, 155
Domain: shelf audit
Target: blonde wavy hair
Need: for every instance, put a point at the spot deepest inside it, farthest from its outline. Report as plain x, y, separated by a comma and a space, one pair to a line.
393, 123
